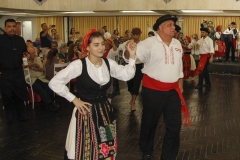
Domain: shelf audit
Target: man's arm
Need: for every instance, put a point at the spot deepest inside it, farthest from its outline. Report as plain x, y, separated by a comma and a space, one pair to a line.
211, 50
44, 34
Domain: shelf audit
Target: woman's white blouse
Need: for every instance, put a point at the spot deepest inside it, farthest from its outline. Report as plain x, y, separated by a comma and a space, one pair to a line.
100, 75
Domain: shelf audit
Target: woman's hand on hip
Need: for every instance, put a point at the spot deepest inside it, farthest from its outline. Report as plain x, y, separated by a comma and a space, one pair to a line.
81, 106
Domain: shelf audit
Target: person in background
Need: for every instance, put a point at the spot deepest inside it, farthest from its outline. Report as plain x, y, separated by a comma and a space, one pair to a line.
72, 36
127, 36
135, 82
73, 55
93, 126
52, 58
220, 47
63, 53
206, 57
121, 40
13, 85
39, 81
79, 45
231, 44
80, 38
45, 38
59, 41
150, 34
115, 37
111, 51
107, 35
211, 31
37, 43
53, 33
195, 49
54, 44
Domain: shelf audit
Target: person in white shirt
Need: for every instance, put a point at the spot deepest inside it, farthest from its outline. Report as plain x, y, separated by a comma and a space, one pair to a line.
134, 84
162, 88
231, 44
111, 51
206, 55
92, 130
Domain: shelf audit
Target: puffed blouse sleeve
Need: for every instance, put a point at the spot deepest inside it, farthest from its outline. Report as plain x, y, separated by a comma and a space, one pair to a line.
59, 81
121, 72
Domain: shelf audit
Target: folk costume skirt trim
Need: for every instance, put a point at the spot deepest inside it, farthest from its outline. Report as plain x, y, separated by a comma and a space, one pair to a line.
92, 136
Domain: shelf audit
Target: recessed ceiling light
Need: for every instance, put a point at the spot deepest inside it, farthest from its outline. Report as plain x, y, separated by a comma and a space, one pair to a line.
199, 11
79, 12
137, 11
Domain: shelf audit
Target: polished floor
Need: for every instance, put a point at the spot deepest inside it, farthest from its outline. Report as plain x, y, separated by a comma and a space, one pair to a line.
214, 133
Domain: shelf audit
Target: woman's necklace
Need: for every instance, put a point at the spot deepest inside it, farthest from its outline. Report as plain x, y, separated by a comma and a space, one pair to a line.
97, 65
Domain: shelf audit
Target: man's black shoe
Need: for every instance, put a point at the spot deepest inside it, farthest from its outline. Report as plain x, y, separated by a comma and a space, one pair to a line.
207, 85
147, 157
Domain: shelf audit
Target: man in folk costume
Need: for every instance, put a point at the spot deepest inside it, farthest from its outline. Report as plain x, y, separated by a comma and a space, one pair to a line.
111, 51
162, 88
231, 44
135, 83
206, 56
219, 44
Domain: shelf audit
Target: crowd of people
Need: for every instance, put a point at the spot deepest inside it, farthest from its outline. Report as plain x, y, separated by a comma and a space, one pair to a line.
158, 63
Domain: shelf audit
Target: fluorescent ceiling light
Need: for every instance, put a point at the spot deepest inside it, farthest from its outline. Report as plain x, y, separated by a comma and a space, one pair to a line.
199, 11
79, 12
137, 11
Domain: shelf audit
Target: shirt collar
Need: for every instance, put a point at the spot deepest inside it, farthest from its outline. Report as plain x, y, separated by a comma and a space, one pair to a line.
160, 40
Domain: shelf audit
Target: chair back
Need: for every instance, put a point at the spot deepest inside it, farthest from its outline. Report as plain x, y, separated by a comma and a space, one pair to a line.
27, 76
59, 65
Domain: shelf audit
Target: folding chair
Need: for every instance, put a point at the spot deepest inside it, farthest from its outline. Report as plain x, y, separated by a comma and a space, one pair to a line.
29, 82
61, 66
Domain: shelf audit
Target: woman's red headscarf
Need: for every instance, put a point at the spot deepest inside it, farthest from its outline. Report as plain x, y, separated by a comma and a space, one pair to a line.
85, 42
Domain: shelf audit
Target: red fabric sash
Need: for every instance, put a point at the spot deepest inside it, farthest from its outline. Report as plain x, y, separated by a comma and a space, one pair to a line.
186, 65
234, 42
151, 83
202, 62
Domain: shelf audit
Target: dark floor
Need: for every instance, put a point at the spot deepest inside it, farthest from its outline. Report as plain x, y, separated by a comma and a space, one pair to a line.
214, 132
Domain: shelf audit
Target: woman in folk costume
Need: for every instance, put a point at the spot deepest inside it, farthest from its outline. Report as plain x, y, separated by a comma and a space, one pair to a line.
186, 56
220, 47
192, 60
92, 130
195, 50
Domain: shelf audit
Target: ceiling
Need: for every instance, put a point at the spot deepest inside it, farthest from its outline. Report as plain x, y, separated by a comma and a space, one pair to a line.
37, 13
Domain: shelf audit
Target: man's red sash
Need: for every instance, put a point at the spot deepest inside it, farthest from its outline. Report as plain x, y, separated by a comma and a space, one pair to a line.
234, 42
151, 83
202, 62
